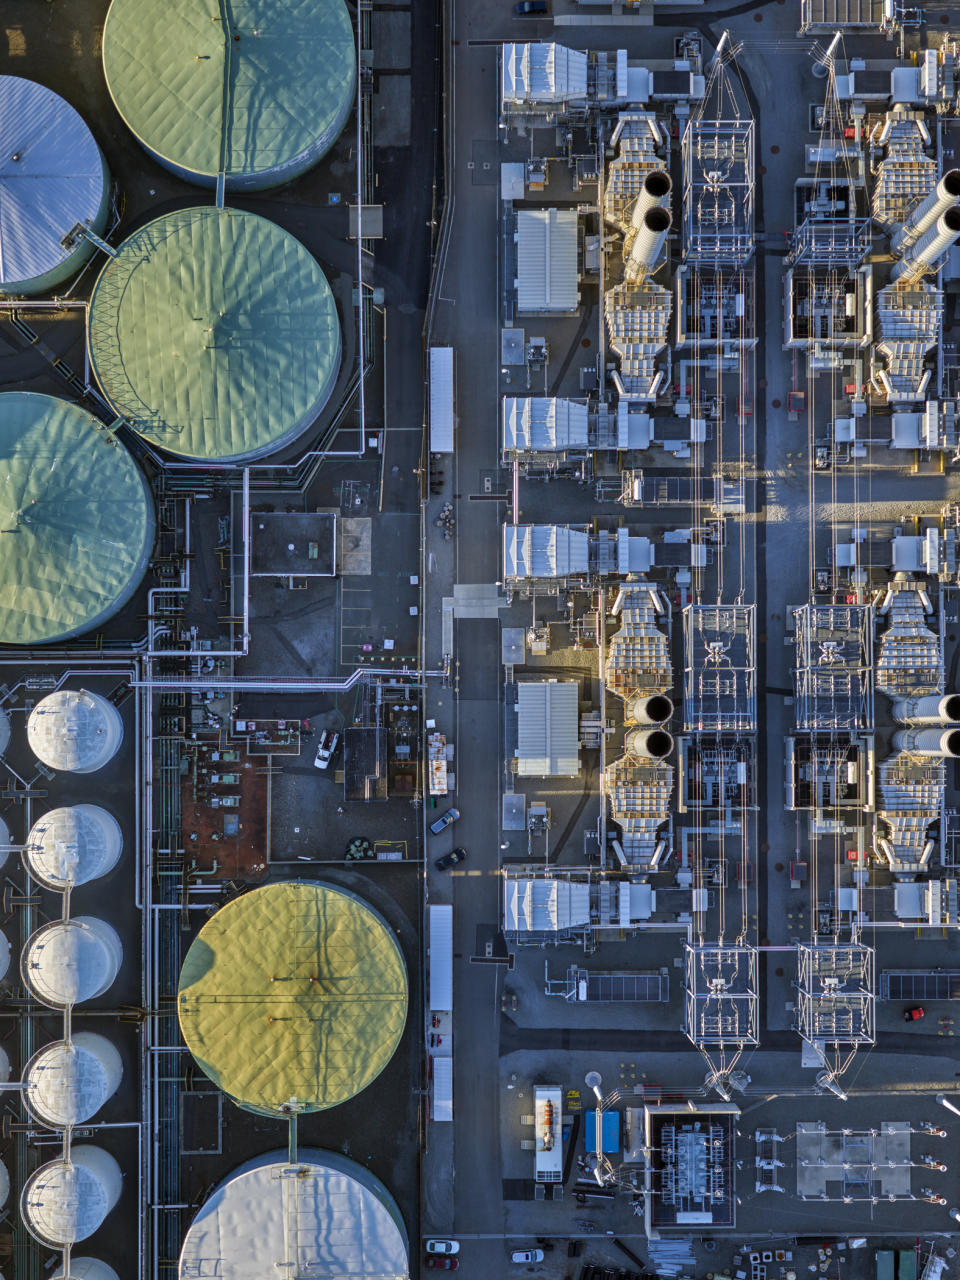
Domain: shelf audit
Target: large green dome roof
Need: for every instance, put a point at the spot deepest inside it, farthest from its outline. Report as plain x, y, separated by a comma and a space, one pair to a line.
76, 520
215, 334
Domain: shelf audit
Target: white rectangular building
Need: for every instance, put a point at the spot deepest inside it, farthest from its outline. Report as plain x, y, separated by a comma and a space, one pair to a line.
547, 270
548, 728
543, 424
440, 949
544, 551
441, 399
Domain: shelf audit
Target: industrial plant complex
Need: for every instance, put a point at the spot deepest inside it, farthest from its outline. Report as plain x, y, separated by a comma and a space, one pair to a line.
479, 639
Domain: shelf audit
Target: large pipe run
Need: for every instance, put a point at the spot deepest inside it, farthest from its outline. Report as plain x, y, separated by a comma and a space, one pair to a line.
943, 197
648, 243
925, 255
934, 709
653, 744
654, 194
928, 742
657, 709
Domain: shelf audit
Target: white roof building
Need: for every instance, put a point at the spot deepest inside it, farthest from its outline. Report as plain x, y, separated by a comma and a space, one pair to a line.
545, 905
544, 551
542, 73
548, 728
543, 424
74, 730
347, 1224
547, 274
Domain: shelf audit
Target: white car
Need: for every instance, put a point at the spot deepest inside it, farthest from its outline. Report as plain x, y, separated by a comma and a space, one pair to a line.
527, 1255
329, 741
442, 1246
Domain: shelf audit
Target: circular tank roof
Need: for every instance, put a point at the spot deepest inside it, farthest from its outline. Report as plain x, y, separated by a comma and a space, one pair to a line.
289, 67
215, 334
71, 846
74, 730
86, 1269
69, 961
4, 731
4, 1184
67, 1083
52, 176
67, 1200
4, 841
76, 520
347, 1222
293, 993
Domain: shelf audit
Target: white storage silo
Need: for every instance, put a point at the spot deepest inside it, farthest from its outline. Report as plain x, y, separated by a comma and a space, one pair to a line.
73, 845
69, 961
67, 1200
52, 177
4, 730
74, 730
67, 1082
5, 842
86, 1269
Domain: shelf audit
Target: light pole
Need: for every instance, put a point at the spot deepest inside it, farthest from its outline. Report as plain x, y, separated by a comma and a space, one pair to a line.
945, 1102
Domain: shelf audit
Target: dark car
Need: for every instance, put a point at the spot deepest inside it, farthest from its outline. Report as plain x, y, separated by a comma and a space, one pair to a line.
525, 8
450, 859
440, 1263
450, 816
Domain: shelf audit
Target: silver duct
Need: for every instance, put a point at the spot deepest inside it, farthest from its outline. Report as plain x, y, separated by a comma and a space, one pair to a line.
657, 709
654, 194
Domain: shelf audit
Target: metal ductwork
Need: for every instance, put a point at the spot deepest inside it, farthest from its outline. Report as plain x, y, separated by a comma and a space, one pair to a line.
648, 242
654, 194
944, 196
925, 255
935, 708
656, 744
929, 742
656, 709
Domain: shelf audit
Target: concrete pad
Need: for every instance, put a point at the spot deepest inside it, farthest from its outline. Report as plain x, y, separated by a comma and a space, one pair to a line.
391, 40
355, 545
391, 112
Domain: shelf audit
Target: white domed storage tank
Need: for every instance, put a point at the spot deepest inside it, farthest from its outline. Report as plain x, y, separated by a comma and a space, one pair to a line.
52, 176
86, 1269
74, 730
72, 846
69, 961
4, 731
68, 1082
5, 842
67, 1200
4, 1184
4, 966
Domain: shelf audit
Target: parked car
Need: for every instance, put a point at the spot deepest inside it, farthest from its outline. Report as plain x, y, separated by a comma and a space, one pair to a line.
527, 1255
450, 816
913, 1015
526, 8
441, 1263
442, 1246
326, 748
450, 859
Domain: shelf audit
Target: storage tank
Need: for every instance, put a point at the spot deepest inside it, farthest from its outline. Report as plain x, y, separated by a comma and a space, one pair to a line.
76, 520
4, 962
52, 177
4, 731
348, 1224
293, 993
215, 334
67, 1082
69, 961
4, 1184
260, 96
74, 730
67, 1200
5, 842
86, 1269
72, 846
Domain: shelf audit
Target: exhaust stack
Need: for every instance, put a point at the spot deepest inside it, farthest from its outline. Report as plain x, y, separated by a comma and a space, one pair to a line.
934, 709
654, 744
654, 194
944, 196
929, 742
648, 243
656, 709
925, 255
